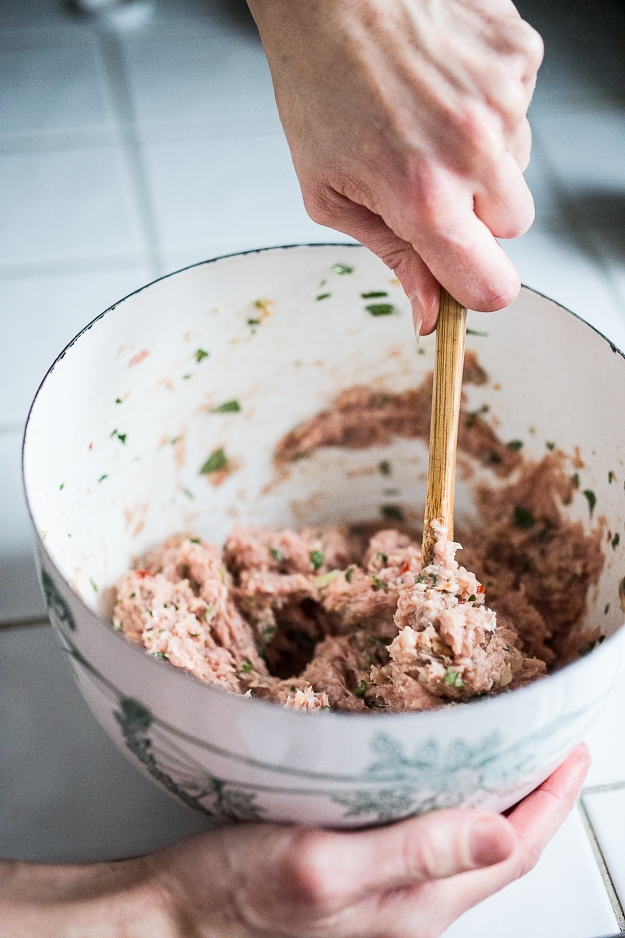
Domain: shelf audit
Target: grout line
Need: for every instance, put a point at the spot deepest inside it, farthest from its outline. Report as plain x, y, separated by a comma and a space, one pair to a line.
27, 623
617, 908
122, 105
598, 789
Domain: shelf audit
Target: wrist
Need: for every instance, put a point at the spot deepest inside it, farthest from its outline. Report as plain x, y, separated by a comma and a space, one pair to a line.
103, 899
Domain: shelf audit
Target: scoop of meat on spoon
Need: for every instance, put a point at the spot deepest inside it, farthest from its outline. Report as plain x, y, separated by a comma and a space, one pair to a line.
439, 500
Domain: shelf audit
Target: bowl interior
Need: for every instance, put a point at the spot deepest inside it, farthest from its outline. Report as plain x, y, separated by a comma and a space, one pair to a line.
129, 414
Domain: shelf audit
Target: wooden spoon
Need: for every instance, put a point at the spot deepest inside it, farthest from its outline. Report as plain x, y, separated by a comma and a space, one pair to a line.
439, 499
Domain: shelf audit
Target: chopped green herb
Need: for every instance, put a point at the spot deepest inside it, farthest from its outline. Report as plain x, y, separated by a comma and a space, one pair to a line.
159, 654
382, 557
494, 458
120, 436
374, 294
186, 377
208, 612
349, 574
61, 486
268, 632
341, 269
150, 613
216, 461
591, 498
195, 540
93, 584
575, 480
606, 609
454, 678
392, 513
246, 666
323, 296
433, 578
118, 400
229, 407
361, 689
317, 558
277, 555
132, 595
472, 598
378, 584
201, 354
550, 446
253, 322
420, 350
615, 540
188, 493
475, 332
326, 707
515, 444
385, 467
419, 578
391, 493
523, 518
611, 477
118, 626
194, 634
589, 646
381, 309
103, 477
326, 578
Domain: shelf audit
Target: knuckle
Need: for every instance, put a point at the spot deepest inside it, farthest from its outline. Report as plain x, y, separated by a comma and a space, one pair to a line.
528, 858
531, 45
318, 207
307, 873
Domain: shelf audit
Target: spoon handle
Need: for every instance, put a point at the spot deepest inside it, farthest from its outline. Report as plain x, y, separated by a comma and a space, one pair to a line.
439, 500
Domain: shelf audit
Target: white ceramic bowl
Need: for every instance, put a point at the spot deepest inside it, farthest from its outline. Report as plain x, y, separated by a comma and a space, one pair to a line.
105, 480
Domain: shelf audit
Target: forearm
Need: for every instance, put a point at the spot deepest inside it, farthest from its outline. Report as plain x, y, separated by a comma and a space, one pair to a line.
102, 900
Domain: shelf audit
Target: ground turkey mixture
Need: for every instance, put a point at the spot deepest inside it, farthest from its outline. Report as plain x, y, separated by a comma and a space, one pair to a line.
348, 619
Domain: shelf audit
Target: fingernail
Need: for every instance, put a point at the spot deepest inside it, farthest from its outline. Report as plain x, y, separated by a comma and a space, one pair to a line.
490, 841
417, 315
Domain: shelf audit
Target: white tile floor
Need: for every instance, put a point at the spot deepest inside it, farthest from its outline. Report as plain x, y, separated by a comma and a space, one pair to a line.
123, 156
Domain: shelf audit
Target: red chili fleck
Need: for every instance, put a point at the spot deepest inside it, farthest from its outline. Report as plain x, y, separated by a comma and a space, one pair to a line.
91, 446
405, 567
142, 574
139, 357
481, 588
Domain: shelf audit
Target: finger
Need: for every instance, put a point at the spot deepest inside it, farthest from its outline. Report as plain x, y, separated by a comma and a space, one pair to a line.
504, 203
420, 286
519, 144
457, 247
534, 820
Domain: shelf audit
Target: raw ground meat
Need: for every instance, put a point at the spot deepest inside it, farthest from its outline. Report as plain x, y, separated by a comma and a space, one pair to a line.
347, 619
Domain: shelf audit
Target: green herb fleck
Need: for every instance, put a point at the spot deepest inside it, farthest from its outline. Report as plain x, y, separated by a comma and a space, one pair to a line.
277, 555
132, 595
421, 350
208, 612
515, 444
606, 609
472, 598
326, 578
201, 354
591, 498
216, 461
523, 518
575, 480
550, 446
246, 666
382, 557
589, 646
194, 634
61, 486
374, 294
326, 707
419, 578
103, 477
384, 467
188, 493
475, 332
392, 513
118, 400
378, 584
95, 586
454, 678
229, 407
615, 540
317, 558
323, 296
159, 654
381, 309
195, 540
611, 477
349, 574
341, 269
361, 689
186, 377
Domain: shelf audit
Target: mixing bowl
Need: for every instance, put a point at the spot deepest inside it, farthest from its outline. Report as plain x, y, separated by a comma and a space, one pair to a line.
126, 418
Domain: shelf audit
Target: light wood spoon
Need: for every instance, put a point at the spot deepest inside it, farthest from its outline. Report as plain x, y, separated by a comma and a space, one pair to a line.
439, 499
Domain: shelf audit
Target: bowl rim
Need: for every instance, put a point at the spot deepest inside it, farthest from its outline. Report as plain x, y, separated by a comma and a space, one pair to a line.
427, 717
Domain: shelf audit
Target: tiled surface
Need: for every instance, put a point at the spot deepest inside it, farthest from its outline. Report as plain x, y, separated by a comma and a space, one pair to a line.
124, 155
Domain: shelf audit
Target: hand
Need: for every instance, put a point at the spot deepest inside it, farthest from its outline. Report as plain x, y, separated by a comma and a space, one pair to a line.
407, 127
272, 881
